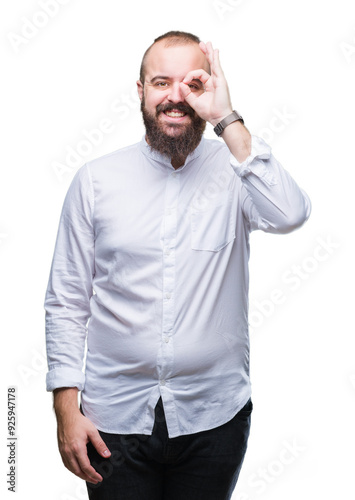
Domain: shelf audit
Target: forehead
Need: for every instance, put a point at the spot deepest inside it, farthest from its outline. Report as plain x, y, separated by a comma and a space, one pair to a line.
174, 61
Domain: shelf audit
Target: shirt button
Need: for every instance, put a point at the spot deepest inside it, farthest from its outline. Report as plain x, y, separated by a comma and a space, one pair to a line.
168, 295
166, 339
173, 174
162, 382
167, 251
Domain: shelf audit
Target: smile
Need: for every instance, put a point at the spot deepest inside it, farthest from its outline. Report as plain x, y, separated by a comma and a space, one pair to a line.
174, 114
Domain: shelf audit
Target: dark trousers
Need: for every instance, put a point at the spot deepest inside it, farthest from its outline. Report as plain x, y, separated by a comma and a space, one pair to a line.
201, 466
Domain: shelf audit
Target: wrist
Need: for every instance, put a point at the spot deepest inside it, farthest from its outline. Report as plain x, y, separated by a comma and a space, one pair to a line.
65, 401
214, 121
238, 139
234, 116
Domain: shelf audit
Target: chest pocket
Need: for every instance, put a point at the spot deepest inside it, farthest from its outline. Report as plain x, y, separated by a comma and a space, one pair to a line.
212, 227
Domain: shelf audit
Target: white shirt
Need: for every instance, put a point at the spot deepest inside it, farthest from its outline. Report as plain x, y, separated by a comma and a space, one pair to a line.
166, 253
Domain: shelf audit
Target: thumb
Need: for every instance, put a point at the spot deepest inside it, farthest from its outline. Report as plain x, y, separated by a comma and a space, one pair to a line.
189, 97
99, 444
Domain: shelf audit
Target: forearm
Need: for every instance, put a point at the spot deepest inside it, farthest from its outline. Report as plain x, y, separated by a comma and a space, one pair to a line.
275, 203
238, 139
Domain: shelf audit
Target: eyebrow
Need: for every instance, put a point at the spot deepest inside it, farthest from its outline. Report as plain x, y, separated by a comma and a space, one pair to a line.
168, 78
159, 78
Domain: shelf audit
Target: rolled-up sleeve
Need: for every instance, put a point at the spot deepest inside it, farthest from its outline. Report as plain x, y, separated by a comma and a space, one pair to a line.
67, 301
272, 201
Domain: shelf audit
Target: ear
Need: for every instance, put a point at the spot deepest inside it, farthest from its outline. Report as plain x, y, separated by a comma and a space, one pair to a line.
140, 89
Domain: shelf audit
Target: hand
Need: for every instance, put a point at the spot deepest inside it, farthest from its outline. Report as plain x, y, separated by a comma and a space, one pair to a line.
215, 103
74, 432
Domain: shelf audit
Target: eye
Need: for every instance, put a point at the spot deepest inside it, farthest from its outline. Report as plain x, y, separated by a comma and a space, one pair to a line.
195, 86
161, 84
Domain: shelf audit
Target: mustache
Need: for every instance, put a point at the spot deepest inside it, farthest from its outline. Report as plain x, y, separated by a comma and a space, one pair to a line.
183, 108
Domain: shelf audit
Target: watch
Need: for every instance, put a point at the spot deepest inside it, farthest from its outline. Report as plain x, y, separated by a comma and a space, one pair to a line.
233, 117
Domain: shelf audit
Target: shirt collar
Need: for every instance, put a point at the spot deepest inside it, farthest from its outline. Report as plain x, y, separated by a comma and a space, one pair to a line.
164, 160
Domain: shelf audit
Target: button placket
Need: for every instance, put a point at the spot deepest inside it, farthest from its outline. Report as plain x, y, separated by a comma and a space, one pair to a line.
169, 230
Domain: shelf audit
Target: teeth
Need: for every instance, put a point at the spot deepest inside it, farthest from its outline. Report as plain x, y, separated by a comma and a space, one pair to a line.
174, 114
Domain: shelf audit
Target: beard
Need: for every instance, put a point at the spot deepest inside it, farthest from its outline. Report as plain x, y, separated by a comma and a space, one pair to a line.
181, 140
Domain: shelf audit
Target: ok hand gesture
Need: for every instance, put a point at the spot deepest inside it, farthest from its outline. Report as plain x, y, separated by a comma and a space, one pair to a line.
215, 103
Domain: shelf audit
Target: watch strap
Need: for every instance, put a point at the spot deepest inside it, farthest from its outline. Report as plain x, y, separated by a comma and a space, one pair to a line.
233, 117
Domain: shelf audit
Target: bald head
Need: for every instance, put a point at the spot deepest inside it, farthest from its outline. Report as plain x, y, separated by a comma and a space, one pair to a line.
170, 39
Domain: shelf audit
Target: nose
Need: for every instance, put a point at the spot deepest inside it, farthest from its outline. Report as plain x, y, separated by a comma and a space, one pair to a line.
175, 94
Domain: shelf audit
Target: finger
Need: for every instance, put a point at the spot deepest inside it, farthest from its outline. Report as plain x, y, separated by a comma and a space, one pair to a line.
82, 469
212, 56
203, 47
197, 74
213, 59
86, 469
217, 68
210, 53
207, 50
99, 444
188, 95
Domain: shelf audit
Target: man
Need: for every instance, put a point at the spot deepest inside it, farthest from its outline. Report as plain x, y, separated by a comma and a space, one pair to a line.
153, 247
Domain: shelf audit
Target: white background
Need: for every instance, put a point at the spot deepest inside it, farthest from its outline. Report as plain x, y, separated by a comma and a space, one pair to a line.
296, 59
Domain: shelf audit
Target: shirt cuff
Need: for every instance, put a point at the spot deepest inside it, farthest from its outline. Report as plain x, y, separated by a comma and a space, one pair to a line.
259, 151
65, 377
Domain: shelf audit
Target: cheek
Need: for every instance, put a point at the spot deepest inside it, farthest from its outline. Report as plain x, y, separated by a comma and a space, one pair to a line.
153, 99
